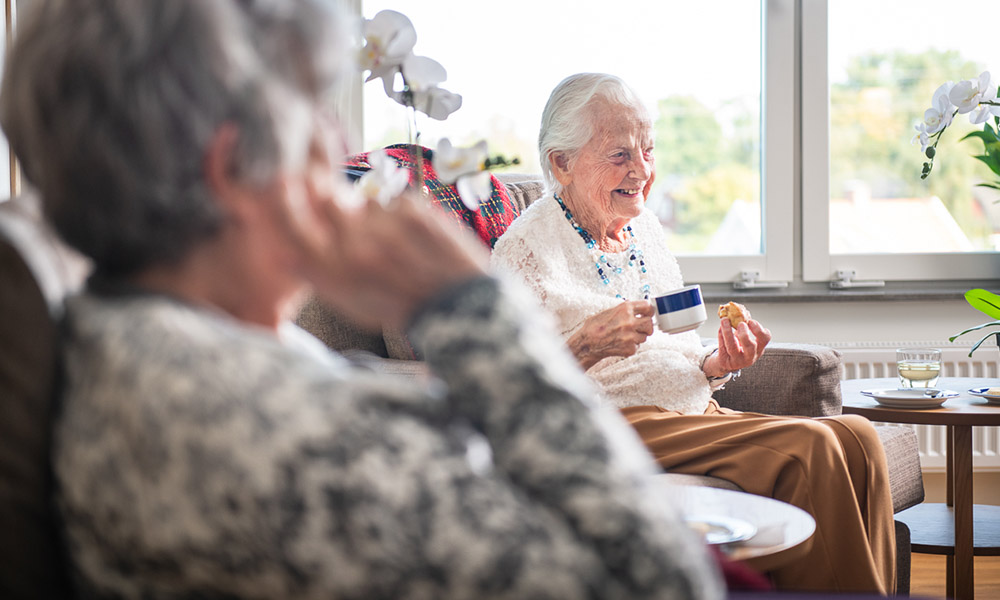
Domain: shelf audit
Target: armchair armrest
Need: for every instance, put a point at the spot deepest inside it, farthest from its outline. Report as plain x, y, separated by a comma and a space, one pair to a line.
788, 379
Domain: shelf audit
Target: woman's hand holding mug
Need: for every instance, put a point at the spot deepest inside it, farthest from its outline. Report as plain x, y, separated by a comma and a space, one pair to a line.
617, 331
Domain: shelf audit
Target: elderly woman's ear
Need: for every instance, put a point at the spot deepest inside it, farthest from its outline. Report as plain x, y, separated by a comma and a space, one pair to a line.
561, 167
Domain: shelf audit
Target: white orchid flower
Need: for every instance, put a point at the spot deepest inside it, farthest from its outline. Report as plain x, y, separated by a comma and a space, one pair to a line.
437, 103
452, 162
941, 112
464, 168
921, 136
384, 181
389, 39
473, 189
422, 73
967, 94
419, 74
982, 112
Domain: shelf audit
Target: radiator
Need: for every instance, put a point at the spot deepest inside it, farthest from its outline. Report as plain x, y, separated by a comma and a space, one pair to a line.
878, 359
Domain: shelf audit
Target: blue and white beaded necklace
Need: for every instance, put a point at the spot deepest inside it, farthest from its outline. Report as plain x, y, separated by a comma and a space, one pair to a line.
601, 262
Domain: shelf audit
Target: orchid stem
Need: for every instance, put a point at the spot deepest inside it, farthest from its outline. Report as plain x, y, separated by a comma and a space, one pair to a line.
418, 155
420, 165
411, 126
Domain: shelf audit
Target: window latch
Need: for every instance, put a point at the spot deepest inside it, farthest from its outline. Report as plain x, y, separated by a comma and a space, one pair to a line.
748, 281
846, 280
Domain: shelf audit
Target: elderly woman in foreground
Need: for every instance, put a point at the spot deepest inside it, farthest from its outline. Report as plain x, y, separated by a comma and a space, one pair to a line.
207, 447
594, 255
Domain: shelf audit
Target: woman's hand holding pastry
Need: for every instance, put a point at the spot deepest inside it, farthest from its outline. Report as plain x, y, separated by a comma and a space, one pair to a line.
617, 331
738, 348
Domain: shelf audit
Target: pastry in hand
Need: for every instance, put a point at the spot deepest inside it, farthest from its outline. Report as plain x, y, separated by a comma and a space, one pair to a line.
735, 312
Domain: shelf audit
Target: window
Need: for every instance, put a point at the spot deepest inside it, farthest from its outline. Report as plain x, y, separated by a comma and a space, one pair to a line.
869, 71
8, 185
724, 118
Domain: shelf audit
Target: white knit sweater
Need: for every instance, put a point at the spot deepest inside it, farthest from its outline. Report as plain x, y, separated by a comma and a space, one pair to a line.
541, 248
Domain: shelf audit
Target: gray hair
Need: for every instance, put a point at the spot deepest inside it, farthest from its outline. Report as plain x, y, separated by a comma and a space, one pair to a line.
566, 124
111, 104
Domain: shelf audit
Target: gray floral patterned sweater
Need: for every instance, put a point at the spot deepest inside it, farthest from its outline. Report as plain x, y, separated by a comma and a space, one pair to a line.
197, 456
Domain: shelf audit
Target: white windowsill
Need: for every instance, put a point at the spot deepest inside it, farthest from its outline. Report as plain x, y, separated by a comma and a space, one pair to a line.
896, 291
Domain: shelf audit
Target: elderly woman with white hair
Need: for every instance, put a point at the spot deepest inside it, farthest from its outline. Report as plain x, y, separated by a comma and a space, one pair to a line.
208, 448
594, 256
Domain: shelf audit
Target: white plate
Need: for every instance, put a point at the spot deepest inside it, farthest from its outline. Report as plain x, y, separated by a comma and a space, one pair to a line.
910, 398
911, 404
916, 394
721, 530
981, 392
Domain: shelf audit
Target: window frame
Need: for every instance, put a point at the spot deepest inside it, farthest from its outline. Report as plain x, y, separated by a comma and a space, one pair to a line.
13, 182
778, 148
818, 264
778, 141
795, 176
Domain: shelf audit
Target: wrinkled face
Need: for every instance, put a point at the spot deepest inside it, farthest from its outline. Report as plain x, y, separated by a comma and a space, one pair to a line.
611, 175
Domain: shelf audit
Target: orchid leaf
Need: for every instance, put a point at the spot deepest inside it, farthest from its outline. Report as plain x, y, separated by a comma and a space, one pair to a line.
991, 161
984, 301
995, 334
991, 146
986, 136
995, 186
976, 328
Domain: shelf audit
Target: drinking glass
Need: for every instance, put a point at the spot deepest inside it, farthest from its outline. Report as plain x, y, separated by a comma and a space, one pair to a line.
918, 367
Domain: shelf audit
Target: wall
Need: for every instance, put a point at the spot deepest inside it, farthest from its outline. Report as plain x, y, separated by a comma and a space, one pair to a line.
985, 488
861, 321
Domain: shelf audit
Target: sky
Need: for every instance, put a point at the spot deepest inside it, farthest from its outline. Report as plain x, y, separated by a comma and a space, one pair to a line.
858, 26
505, 62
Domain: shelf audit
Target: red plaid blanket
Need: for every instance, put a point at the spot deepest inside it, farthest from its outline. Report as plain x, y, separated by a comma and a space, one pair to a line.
494, 214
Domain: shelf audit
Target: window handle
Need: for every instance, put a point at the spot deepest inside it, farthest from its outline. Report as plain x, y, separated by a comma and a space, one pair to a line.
748, 281
846, 279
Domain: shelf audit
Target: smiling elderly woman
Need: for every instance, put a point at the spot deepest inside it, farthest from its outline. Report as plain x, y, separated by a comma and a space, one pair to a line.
206, 447
594, 256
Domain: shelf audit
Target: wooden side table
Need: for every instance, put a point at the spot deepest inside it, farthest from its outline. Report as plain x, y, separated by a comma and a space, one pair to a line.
957, 529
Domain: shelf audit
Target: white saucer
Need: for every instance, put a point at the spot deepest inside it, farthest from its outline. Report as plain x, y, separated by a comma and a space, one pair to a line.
981, 392
910, 398
914, 404
721, 530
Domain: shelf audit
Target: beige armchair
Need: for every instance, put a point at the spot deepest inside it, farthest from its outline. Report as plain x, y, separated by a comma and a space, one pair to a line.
789, 379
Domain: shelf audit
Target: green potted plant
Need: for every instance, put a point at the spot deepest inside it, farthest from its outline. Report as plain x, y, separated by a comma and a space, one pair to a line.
989, 304
979, 99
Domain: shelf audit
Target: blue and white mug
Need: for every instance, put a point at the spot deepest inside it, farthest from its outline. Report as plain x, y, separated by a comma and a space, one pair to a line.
680, 310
